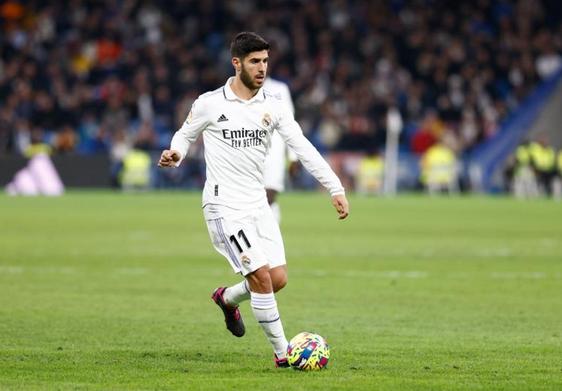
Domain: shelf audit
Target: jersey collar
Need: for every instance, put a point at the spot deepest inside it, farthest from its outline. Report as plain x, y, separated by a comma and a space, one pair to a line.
230, 95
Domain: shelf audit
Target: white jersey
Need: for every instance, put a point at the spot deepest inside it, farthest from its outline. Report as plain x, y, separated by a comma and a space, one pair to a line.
280, 91
275, 162
237, 136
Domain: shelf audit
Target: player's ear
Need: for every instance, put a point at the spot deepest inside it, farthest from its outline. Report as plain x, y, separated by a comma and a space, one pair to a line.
236, 64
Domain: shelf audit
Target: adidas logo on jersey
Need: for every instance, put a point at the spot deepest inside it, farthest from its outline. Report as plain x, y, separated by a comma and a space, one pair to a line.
222, 118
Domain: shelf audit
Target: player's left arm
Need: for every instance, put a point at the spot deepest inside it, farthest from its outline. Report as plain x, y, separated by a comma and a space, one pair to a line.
341, 204
294, 165
314, 163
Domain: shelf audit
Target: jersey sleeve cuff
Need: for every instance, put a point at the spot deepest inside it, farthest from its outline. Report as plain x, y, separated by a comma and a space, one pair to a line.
335, 192
177, 164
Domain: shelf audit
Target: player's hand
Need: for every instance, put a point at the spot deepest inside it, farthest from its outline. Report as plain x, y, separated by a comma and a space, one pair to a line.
169, 158
342, 206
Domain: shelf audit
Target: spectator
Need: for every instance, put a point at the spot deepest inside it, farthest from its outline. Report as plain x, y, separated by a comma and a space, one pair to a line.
543, 160
37, 145
557, 182
370, 174
111, 66
521, 174
439, 169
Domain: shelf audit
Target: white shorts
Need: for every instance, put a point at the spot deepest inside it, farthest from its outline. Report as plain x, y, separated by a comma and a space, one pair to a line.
248, 239
275, 166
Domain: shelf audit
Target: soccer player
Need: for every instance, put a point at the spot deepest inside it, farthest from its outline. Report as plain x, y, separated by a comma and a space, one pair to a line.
275, 161
237, 122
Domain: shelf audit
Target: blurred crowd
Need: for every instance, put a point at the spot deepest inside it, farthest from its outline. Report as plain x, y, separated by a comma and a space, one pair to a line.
104, 76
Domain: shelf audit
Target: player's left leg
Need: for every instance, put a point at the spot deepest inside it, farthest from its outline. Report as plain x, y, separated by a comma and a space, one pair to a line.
249, 243
264, 307
271, 244
278, 277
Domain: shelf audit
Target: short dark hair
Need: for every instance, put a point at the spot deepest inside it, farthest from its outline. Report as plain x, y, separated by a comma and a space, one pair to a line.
247, 42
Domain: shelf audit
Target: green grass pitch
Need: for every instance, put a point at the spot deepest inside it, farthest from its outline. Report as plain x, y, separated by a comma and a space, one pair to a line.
102, 290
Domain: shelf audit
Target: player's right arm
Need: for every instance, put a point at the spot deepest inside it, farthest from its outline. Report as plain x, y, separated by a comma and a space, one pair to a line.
194, 124
169, 158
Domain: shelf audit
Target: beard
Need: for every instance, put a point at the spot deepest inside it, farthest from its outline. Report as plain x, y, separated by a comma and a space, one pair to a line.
247, 80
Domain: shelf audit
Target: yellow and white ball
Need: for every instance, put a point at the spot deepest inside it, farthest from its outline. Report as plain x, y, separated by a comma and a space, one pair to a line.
308, 352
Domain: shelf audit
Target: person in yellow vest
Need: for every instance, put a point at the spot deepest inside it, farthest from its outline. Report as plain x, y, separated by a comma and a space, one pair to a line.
439, 169
543, 160
524, 180
37, 145
369, 176
135, 174
557, 182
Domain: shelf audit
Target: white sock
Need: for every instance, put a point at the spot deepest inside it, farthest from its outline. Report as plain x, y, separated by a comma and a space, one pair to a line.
265, 310
236, 294
276, 209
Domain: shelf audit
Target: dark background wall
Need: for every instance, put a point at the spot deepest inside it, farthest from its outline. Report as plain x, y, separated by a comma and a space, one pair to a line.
74, 170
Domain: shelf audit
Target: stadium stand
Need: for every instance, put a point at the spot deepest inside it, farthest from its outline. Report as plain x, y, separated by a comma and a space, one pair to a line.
102, 77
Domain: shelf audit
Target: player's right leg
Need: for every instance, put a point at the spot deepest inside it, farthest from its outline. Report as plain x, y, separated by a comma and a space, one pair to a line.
232, 317
247, 246
236, 294
227, 298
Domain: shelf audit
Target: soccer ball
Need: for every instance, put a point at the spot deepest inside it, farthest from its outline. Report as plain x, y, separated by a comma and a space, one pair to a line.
308, 352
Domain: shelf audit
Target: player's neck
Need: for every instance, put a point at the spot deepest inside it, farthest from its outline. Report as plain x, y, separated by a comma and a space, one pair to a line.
241, 91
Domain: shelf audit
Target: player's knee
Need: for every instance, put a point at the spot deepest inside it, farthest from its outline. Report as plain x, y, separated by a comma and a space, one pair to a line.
278, 277
260, 281
279, 283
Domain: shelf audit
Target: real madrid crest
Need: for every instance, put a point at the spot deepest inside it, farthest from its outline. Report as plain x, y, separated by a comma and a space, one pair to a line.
266, 120
245, 259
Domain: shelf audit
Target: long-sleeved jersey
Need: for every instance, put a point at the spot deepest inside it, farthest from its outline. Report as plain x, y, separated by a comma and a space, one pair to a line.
237, 136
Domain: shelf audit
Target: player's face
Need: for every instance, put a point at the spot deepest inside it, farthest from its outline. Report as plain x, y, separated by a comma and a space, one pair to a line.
254, 69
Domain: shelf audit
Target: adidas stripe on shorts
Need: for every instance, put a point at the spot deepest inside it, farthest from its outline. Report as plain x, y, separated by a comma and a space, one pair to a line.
248, 239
